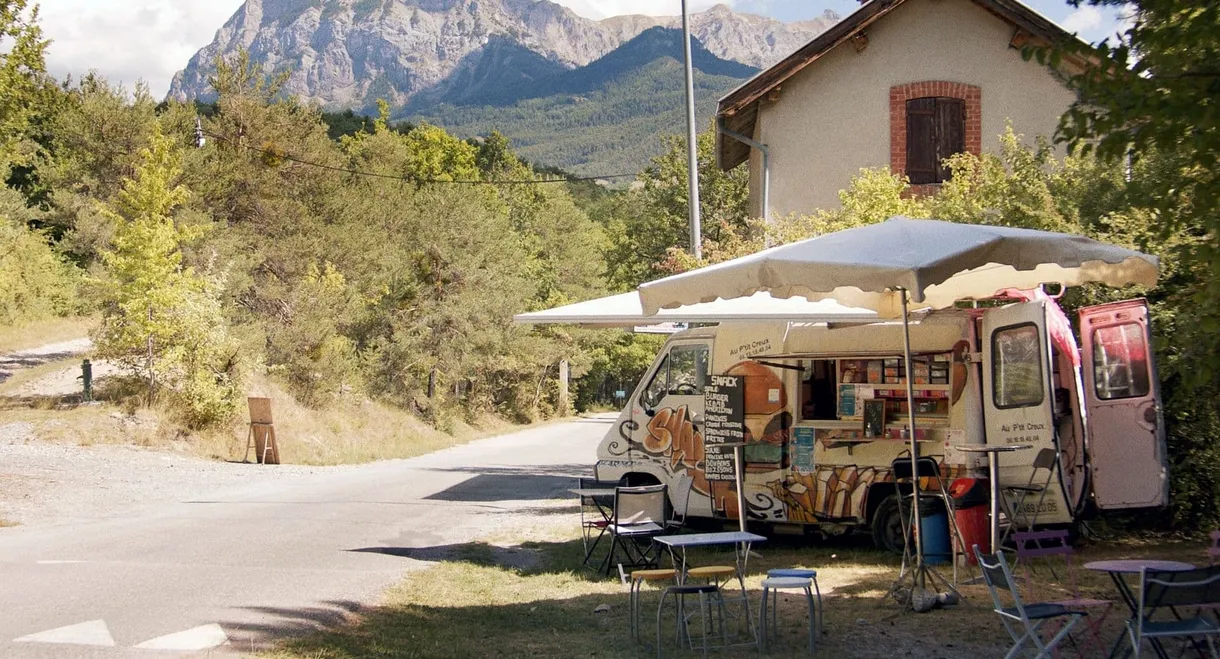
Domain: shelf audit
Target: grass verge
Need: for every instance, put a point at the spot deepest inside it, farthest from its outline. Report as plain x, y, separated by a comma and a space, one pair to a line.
347, 432
43, 332
525, 599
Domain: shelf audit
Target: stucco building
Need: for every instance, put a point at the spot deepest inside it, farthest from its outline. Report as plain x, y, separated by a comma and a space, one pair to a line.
903, 83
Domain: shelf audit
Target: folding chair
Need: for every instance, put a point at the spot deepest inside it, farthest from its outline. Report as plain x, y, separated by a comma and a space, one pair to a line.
1050, 545
593, 514
681, 501
1023, 621
1047, 459
639, 515
1173, 590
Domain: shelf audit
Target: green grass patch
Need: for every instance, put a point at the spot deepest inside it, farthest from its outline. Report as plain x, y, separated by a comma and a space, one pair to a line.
529, 599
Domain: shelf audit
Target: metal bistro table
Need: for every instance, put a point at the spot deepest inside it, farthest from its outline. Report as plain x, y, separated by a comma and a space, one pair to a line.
678, 544
681, 542
993, 452
603, 499
1117, 570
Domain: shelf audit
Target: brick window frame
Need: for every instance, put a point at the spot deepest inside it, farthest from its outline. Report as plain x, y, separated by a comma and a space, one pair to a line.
971, 95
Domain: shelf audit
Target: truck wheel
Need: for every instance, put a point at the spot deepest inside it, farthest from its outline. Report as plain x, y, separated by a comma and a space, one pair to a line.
888, 526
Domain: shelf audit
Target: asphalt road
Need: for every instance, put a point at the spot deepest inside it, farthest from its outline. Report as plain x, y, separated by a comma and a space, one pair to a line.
233, 571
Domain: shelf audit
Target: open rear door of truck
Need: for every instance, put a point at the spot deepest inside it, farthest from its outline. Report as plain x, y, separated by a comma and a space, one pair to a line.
1018, 404
1126, 430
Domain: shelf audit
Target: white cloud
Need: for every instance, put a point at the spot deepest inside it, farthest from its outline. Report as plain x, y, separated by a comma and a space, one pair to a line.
130, 40
1084, 20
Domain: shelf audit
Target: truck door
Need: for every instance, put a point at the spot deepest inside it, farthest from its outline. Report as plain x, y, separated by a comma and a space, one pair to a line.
1123, 407
667, 416
1018, 406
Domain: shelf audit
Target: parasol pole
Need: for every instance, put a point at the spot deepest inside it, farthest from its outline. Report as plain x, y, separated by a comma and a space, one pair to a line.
906, 349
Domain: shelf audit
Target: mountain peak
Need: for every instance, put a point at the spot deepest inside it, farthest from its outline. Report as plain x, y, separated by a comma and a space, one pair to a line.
350, 53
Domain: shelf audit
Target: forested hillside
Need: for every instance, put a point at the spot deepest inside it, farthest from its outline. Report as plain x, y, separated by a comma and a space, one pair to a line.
383, 265
569, 91
602, 118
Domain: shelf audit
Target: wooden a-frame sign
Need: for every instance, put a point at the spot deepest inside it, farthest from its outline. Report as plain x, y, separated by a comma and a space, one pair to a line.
261, 436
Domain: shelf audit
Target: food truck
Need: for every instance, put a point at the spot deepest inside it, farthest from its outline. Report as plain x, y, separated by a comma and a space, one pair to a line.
825, 412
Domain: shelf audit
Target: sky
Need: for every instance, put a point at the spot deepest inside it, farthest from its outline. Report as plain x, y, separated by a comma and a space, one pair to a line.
149, 40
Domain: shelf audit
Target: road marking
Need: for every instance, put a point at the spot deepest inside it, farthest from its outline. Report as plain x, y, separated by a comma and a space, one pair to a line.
200, 638
93, 632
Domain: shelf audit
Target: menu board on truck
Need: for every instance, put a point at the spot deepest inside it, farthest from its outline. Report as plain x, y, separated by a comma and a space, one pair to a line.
724, 417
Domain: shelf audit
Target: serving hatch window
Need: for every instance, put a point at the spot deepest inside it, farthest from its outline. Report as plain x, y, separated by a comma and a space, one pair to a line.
1120, 362
1016, 367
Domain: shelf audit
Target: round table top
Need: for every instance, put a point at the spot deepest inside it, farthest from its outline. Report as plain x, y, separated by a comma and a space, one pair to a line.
1134, 565
992, 448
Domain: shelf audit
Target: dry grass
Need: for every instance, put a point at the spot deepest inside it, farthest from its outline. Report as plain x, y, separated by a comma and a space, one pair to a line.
4, 523
501, 598
348, 432
42, 332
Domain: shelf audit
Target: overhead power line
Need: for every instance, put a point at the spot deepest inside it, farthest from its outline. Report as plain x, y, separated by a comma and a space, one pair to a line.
400, 177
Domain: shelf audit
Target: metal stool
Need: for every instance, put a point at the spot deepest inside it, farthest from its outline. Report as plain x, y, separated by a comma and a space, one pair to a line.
638, 577
721, 575
771, 587
705, 592
804, 573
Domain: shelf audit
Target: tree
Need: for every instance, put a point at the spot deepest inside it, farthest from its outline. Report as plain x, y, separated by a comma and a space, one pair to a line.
35, 283
1152, 94
655, 217
161, 321
23, 79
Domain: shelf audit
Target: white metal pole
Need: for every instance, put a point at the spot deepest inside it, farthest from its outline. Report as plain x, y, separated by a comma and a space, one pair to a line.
696, 230
906, 348
738, 468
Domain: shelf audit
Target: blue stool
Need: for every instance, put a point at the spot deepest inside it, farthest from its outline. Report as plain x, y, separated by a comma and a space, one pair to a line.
802, 573
770, 600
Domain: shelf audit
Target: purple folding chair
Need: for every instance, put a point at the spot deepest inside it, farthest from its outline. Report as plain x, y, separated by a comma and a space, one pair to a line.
1049, 545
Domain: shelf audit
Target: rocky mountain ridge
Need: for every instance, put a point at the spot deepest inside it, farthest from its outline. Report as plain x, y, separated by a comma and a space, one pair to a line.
349, 53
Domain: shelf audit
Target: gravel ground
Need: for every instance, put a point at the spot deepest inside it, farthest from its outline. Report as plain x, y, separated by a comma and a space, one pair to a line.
50, 483
13, 362
44, 483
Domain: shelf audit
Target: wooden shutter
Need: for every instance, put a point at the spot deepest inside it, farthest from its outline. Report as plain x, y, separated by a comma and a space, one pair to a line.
950, 133
922, 165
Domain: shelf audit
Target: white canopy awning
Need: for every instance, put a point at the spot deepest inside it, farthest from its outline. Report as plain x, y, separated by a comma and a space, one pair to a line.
937, 263
625, 310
